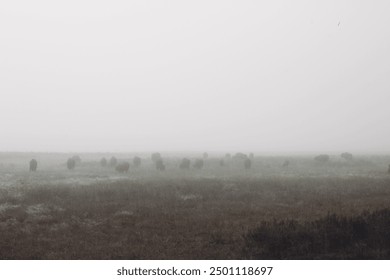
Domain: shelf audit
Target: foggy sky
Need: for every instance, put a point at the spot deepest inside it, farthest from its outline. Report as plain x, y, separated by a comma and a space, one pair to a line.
268, 76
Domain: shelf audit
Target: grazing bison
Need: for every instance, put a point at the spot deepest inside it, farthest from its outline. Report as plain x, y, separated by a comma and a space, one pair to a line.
122, 167
156, 157
185, 163
247, 163
71, 163
77, 159
160, 164
198, 163
113, 161
322, 158
347, 156
137, 161
286, 163
103, 162
33, 165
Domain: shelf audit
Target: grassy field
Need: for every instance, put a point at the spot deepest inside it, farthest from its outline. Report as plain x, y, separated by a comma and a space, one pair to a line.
335, 210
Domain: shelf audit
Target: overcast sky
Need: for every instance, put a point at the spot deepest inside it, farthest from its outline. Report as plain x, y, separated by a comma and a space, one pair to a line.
267, 76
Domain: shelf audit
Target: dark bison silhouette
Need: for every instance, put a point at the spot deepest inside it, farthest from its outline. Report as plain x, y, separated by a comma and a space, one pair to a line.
347, 156
33, 165
103, 162
199, 163
286, 163
322, 158
160, 164
71, 163
77, 159
113, 161
247, 163
122, 167
156, 157
137, 161
185, 163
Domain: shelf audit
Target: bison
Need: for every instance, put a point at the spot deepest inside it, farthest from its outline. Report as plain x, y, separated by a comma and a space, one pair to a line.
322, 158
137, 161
160, 164
33, 165
185, 163
122, 167
347, 156
199, 163
155, 157
103, 162
71, 163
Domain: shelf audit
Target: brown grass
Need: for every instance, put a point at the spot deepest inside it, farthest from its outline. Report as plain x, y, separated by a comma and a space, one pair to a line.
96, 213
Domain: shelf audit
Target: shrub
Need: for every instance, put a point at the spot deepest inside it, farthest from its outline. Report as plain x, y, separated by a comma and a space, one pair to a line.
366, 236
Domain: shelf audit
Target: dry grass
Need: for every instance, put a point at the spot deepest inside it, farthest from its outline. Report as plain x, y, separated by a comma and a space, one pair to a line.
94, 213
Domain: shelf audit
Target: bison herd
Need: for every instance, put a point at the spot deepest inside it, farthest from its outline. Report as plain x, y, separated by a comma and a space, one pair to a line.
242, 159
158, 162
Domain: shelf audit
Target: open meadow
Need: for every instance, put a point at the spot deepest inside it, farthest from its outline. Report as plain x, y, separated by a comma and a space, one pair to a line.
306, 209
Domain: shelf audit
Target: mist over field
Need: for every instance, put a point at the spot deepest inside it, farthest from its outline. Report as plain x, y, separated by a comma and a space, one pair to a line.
194, 130
279, 76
